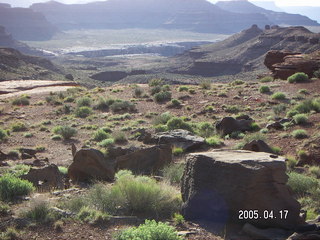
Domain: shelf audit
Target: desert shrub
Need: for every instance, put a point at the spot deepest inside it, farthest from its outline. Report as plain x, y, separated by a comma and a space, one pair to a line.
162, 119
162, 96
299, 134
254, 127
19, 169
120, 105
28, 135
56, 137
63, 170
106, 142
10, 234
205, 84
232, 109
315, 171
138, 92
291, 162
18, 127
12, 187
300, 118
175, 103
317, 74
150, 230
155, 82
161, 128
40, 212
21, 101
134, 195
301, 184
214, 141
264, 89
100, 135
65, 131
178, 123
83, 112
278, 96
84, 102
205, 129
303, 91
183, 88
192, 91
102, 104
178, 219
155, 90
92, 216
279, 109
119, 137
3, 135
266, 79
298, 77
237, 82
291, 113
173, 173
308, 106
177, 151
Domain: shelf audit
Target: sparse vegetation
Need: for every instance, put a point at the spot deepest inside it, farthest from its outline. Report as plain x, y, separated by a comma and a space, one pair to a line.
206, 84
40, 213
100, 135
18, 127
3, 135
266, 79
214, 141
173, 173
21, 101
278, 96
177, 151
264, 89
83, 112
84, 102
92, 216
162, 96
299, 133
178, 123
300, 118
301, 184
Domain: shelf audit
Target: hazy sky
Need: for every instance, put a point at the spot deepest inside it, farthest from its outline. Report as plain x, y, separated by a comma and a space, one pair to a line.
26, 3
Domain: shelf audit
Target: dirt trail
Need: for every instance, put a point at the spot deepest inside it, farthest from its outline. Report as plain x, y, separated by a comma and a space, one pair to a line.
17, 87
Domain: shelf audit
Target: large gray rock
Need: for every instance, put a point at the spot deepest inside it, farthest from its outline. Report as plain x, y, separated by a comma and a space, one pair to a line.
217, 185
229, 125
178, 138
90, 164
146, 161
257, 146
45, 178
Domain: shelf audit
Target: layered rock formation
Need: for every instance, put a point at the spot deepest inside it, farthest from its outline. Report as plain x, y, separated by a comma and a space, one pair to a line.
219, 186
284, 63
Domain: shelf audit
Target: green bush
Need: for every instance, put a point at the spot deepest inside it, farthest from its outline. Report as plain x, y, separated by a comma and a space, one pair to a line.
177, 151
163, 96
63, 170
178, 219
278, 96
291, 162
316, 74
40, 212
205, 84
183, 88
161, 128
138, 92
214, 141
83, 112
266, 79
173, 173
315, 170
299, 134
150, 230
92, 216
120, 105
308, 106
300, 118
21, 101
292, 113
155, 82
65, 131
301, 184
133, 195
237, 82
10, 234
175, 103
3, 135
178, 123
205, 129
298, 77
119, 137
12, 187
155, 90
264, 89
303, 91
162, 119
84, 102
18, 127
106, 142
102, 104
232, 109
100, 135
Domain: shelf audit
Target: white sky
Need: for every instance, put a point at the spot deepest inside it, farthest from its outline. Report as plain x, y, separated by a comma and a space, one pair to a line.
26, 3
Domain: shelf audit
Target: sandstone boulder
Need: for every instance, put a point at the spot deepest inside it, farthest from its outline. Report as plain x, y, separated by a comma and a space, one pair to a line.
146, 161
228, 125
276, 56
178, 138
90, 164
217, 185
257, 146
47, 177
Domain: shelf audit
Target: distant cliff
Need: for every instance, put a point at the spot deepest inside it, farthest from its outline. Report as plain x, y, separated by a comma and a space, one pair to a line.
244, 51
25, 24
190, 15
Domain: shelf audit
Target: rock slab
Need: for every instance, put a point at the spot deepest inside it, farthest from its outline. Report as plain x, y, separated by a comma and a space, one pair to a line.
217, 185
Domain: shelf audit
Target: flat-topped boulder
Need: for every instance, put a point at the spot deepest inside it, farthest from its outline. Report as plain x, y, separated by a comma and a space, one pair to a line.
221, 185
